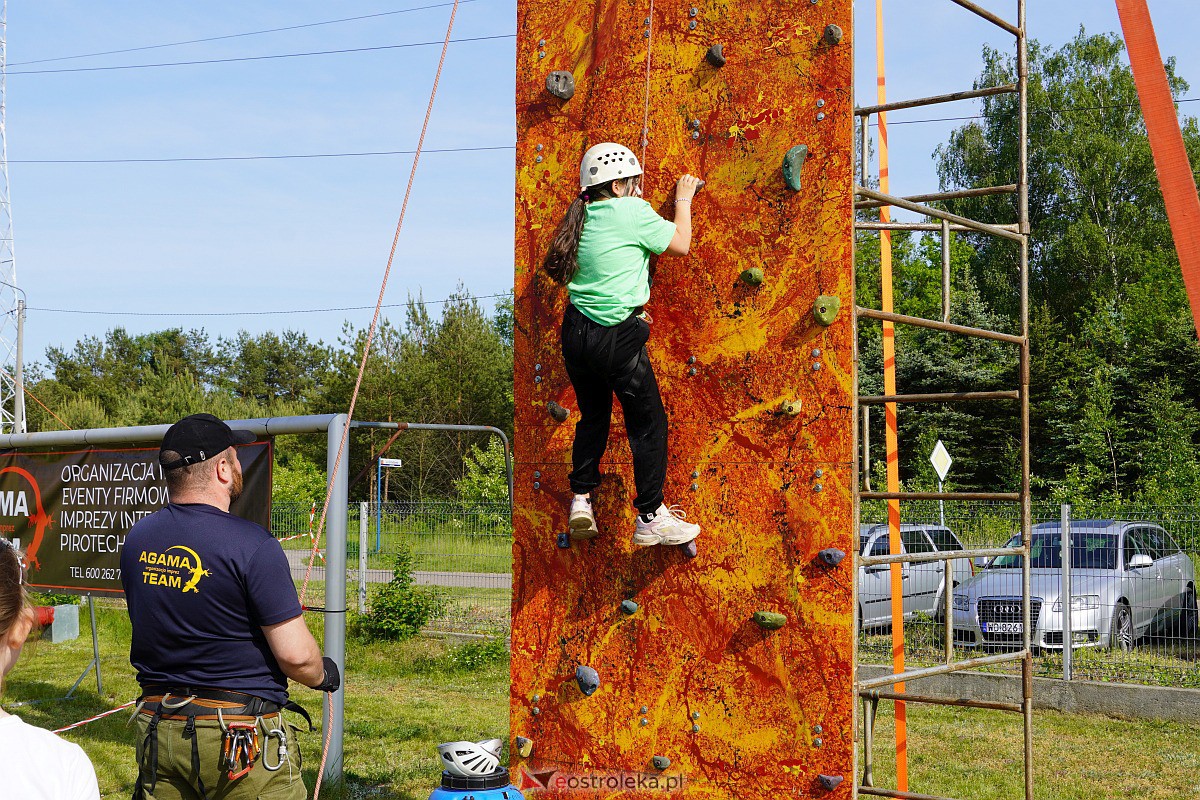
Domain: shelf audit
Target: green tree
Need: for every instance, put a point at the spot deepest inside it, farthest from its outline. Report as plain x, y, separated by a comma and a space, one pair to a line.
1109, 315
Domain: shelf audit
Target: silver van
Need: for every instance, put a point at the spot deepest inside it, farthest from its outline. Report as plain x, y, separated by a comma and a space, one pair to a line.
923, 584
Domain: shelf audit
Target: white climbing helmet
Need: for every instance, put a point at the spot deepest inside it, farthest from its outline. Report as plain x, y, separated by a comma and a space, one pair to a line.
607, 161
471, 759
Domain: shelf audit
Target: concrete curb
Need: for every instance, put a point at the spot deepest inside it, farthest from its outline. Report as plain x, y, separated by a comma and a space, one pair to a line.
1121, 700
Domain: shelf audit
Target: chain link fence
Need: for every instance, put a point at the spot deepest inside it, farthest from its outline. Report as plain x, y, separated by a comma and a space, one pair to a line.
465, 550
1131, 594
1127, 600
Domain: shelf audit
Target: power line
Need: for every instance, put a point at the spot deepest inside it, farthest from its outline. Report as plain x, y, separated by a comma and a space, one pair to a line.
97, 312
235, 35
257, 58
170, 160
1031, 111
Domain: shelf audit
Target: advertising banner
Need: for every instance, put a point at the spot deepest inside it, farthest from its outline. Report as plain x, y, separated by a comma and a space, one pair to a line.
70, 511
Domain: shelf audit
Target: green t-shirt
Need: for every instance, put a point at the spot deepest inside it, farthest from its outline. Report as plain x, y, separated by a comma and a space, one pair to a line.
614, 258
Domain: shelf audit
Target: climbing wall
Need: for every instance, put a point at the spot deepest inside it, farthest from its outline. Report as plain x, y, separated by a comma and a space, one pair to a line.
755, 362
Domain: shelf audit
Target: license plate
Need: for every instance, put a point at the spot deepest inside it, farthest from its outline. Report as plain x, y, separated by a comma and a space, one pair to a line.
1003, 627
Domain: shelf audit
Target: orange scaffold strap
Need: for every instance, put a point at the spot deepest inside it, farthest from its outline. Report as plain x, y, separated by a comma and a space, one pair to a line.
892, 438
1166, 141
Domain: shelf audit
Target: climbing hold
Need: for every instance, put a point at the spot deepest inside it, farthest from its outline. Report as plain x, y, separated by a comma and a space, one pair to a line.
769, 620
833, 34
660, 762
644, 709
714, 56
629, 607
564, 541
752, 276
643, 722
689, 549
830, 782
561, 84
831, 556
695, 715
793, 163
559, 413
524, 747
790, 407
588, 680
825, 309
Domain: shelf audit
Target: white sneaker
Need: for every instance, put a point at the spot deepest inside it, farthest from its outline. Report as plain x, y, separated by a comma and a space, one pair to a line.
581, 521
667, 527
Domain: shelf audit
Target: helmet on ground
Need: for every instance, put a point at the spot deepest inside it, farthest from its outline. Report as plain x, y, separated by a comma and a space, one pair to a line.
470, 759
606, 162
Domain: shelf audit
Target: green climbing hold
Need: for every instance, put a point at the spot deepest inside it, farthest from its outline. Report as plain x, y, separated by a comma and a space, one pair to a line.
769, 620
752, 276
793, 163
660, 762
629, 607
826, 308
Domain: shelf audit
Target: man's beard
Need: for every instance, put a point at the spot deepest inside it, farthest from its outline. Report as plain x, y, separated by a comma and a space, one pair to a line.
235, 488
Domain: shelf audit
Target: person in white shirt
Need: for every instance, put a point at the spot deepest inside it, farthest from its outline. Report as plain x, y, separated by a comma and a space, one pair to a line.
37, 765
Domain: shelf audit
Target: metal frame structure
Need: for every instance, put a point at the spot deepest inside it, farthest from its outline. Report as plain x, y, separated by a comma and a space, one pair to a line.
334, 427
12, 310
871, 691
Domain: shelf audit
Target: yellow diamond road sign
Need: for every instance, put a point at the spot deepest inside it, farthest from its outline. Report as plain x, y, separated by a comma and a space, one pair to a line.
941, 460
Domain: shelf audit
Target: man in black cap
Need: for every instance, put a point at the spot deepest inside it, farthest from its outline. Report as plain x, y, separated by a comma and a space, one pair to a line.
217, 632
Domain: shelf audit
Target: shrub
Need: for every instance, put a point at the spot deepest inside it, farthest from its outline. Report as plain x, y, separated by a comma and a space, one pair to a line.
478, 653
399, 609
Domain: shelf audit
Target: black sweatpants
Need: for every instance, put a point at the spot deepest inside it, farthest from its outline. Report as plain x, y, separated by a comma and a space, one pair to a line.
603, 361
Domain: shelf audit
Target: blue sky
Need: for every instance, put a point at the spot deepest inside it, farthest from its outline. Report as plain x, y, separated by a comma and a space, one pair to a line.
276, 235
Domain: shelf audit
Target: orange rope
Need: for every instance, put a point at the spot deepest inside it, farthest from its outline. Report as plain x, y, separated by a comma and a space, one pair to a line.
35, 399
646, 107
1166, 143
892, 434
362, 367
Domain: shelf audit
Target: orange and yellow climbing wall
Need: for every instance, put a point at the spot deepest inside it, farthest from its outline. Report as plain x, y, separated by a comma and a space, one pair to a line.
758, 380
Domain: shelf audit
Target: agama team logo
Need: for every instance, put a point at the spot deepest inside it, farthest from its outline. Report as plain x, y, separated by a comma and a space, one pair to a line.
181, 570
16, 504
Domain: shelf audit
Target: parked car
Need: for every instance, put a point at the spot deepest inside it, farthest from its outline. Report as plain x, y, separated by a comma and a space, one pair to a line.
923, 583
1128, 578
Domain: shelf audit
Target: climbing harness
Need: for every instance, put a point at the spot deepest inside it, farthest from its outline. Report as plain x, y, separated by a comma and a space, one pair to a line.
239, 716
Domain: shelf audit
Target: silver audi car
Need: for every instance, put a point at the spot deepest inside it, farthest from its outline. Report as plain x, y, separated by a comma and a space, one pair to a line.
1127, 579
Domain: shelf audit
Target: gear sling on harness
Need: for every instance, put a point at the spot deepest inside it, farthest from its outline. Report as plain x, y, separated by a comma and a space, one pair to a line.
238, 714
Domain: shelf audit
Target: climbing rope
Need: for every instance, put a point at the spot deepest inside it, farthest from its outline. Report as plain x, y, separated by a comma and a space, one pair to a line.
646, 105
366, 352
101, 715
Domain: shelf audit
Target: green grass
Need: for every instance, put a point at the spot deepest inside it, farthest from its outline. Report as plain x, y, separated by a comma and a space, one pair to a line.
973, 754
404, 698
401, 700
444, 551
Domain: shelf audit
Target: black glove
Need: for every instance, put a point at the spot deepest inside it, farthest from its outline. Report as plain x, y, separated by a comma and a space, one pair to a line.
333, 679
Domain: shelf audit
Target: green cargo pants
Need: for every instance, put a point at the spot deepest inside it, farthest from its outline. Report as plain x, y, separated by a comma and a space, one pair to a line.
176, 779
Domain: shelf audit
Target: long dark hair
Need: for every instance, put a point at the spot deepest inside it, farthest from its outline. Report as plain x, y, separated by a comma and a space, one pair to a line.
560, 262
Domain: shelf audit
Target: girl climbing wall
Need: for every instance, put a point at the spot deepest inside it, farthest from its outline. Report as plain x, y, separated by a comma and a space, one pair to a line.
601, 253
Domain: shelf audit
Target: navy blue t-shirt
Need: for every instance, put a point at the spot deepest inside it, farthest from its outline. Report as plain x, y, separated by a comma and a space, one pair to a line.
200, 584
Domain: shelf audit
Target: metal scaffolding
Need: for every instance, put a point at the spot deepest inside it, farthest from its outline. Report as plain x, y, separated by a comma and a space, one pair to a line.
872, 691
12, 311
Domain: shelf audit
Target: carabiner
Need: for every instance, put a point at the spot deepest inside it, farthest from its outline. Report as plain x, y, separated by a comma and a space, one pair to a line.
279, 734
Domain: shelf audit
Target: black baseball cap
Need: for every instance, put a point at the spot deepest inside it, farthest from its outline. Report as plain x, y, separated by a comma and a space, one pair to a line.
200, 437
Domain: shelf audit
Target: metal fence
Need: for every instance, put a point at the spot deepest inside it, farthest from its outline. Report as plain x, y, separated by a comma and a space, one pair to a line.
1130, 620
1119, 587
465, 551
